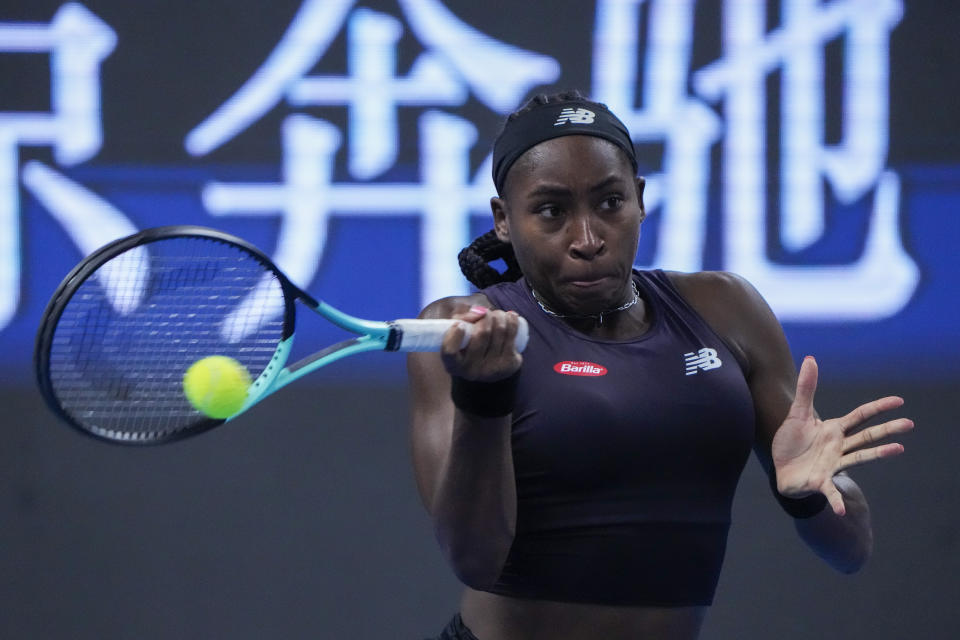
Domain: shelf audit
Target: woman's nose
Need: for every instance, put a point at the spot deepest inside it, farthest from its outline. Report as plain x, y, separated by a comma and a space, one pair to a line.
585, 243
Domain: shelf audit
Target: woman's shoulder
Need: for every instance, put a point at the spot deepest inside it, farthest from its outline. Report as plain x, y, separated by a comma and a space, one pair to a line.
503, 295
447, 307
710, 284
732, 307
722, 291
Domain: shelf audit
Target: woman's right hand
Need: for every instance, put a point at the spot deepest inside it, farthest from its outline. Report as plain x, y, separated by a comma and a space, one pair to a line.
491, 353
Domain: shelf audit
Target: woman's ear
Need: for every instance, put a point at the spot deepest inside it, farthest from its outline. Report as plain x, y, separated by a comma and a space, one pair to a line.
641, 184
499, 208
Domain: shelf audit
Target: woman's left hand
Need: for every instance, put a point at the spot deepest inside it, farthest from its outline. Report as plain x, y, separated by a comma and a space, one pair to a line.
808, 452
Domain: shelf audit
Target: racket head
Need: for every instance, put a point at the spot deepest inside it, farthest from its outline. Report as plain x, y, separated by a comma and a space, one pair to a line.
125, 324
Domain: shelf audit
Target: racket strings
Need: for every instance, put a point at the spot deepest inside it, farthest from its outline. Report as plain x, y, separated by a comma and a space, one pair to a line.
128, 334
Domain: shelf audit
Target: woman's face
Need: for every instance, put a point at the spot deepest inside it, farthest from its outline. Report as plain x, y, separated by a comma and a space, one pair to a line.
572, 209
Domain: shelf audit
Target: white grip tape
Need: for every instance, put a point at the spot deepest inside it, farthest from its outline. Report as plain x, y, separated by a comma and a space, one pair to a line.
427, 335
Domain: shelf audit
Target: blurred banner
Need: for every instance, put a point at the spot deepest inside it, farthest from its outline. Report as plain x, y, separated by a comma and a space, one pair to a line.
351, 141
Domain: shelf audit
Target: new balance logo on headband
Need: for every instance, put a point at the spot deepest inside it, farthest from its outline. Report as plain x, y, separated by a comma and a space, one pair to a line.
705, 359
575, 116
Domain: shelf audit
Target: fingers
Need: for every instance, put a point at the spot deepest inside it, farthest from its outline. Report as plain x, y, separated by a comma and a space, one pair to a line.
857, 449
455, 339
473, 314
806, 386
876, 433
834, 497
490, 353
499, 331
866, 411
452, 340
862, 456
494, 335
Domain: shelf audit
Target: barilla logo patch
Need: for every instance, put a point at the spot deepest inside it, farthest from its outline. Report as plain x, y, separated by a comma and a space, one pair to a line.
580, 368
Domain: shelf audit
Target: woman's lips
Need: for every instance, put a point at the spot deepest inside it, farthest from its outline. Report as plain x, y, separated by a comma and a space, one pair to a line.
586, 283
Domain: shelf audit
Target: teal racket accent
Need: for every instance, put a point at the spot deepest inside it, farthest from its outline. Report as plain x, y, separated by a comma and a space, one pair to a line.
276, 376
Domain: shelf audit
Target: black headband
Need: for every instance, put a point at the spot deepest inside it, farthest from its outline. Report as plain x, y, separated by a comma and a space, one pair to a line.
553, 120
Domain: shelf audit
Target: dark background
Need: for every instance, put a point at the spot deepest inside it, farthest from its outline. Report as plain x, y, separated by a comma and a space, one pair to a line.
301, 519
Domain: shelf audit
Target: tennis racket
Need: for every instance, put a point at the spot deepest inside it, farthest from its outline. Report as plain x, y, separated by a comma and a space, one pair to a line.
127, 322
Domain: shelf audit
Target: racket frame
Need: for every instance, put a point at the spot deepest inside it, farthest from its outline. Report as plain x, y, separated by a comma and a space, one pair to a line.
374, 335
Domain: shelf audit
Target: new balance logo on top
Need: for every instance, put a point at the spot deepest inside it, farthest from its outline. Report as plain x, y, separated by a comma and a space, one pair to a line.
575, 116
705, 359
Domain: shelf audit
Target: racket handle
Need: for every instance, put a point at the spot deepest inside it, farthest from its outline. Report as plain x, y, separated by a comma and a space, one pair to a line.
427, 335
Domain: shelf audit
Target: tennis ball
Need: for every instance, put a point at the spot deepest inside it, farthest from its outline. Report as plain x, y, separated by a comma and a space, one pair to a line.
216, 386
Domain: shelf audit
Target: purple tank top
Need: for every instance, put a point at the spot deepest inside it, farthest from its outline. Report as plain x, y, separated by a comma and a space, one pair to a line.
626, 454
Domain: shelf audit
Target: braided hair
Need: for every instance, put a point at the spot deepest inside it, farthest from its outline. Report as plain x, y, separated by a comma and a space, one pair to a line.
475, 261
475, 258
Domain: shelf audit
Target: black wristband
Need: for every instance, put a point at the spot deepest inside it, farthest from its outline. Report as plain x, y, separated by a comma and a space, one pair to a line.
485, 399
799, 508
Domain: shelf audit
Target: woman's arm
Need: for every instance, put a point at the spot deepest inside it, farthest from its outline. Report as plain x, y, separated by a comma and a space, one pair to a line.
809, 456
844, 542
804, 454
463, 461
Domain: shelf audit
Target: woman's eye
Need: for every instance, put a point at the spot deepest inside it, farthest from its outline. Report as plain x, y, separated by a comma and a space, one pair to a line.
549, 211
613, 202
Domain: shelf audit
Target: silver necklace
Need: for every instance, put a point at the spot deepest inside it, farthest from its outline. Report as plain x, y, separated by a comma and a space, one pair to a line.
598, 317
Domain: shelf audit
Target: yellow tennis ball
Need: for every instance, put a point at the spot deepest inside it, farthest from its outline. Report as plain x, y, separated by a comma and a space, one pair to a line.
216, 386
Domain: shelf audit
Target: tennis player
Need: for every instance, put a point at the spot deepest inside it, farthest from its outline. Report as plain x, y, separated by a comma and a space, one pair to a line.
584, 490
